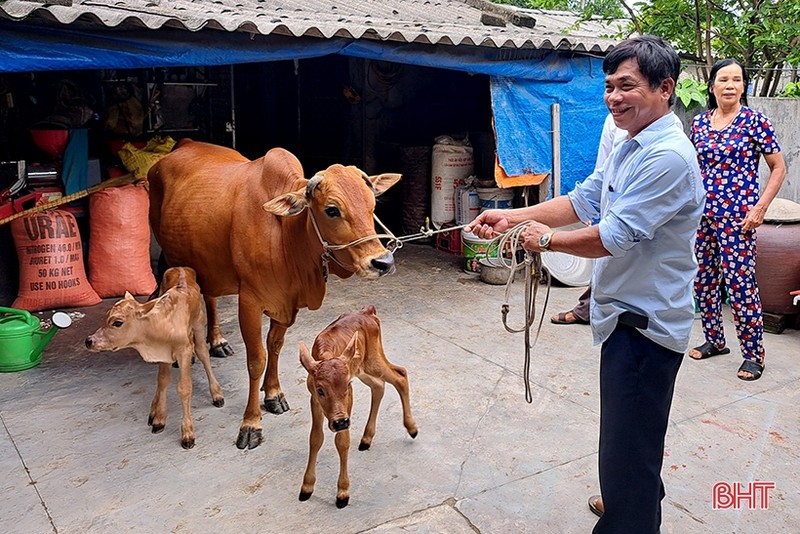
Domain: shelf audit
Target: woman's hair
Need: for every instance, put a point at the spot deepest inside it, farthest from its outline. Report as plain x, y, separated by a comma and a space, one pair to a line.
712, 77
657, 60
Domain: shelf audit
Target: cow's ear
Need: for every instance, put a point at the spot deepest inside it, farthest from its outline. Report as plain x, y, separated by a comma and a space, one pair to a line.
382, 182
287, 204
164, 305
306, 360
351, 350
141, 310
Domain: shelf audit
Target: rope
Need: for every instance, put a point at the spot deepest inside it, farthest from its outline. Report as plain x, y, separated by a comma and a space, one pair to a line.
395, 243
509, 240
534, 275
111, 182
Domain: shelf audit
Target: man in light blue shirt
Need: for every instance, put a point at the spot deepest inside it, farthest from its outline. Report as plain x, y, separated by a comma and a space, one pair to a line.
610, 136
648, 197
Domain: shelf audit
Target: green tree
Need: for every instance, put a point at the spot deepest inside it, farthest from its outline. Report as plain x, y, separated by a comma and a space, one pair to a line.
763, 34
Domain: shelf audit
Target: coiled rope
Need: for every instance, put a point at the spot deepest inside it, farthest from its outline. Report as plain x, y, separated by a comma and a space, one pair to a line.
535, 274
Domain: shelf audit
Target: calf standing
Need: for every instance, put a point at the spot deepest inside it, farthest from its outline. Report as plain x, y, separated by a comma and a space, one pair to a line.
349, 347
166, 330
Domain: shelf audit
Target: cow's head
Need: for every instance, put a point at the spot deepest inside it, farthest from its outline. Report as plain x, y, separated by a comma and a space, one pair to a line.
329, 382
341, 202
129, 322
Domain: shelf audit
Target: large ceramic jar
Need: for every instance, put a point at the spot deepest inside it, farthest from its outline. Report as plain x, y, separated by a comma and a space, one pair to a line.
778, 260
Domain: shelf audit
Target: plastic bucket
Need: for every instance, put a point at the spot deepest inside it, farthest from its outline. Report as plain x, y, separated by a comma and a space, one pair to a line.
467, 205
495, 198
474, 248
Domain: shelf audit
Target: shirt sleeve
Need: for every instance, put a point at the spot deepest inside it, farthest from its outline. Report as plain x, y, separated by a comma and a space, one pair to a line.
694, 133
662, 187
764, 135
585, 198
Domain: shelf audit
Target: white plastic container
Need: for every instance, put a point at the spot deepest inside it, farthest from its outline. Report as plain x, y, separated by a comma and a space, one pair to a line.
468, 205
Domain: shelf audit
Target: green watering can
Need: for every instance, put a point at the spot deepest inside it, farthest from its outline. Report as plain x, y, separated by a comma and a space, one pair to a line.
22, 340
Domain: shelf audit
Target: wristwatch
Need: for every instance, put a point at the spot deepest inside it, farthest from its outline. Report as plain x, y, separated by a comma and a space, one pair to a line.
544, 241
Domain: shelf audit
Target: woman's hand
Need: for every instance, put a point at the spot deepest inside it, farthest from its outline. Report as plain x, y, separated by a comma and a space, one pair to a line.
754, 217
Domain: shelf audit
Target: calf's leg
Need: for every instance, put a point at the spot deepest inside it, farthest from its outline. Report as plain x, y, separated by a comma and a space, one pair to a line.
185, 394
343, 485
315, 439
158, 408
398, 377
201, 349
377, 388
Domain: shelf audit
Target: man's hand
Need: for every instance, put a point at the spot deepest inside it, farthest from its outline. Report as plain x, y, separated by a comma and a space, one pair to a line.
531, 235
488, 224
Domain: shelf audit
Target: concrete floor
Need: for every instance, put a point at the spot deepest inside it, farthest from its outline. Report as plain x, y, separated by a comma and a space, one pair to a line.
77, 456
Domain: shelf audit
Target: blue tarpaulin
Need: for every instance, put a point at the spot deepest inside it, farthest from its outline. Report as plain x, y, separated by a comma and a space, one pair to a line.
522, 112
523, 90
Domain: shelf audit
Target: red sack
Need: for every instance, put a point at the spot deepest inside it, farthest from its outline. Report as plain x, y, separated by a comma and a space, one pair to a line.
51, 271
119, 243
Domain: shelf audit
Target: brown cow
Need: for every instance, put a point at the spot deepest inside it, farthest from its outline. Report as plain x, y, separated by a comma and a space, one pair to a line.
207, 210
166, 330
351, 346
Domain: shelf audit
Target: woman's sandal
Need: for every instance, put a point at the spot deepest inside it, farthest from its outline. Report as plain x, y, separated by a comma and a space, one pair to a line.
707, 350
749, 366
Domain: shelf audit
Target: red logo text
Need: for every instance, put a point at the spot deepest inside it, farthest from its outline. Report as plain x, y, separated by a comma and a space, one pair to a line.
753, 496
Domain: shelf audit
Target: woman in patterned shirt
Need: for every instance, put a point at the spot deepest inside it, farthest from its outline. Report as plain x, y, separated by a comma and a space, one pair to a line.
730, 138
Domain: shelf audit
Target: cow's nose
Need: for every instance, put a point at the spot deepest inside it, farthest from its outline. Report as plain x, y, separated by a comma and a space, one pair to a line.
88, 342
341, 424
384, 264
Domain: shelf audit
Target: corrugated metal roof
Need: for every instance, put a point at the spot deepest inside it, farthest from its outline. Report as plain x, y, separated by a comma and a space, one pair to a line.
448, 22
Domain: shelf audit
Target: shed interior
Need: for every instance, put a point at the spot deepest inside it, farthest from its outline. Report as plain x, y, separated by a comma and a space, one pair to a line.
377, 115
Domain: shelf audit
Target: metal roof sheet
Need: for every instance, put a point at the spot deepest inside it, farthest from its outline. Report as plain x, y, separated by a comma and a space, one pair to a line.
447, 22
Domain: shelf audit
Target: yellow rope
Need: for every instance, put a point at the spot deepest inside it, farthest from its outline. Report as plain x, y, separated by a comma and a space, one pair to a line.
112, 182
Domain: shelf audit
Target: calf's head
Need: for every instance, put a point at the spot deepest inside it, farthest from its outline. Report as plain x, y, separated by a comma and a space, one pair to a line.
329, 382
341, 203
129, 322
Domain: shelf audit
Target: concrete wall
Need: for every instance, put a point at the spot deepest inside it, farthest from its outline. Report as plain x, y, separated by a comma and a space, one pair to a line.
784, 113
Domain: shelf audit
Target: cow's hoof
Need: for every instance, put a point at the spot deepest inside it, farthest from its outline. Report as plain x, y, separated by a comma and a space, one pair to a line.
276, 405
219, 403
249, 438
157, 428
187, 443
414, 434
363, 446
341, 502
304, 496
222, 350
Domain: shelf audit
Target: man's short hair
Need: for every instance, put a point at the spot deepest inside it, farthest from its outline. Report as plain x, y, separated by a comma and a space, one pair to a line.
657, 60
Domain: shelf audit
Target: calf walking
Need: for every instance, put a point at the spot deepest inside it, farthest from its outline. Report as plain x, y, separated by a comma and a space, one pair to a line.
349, 347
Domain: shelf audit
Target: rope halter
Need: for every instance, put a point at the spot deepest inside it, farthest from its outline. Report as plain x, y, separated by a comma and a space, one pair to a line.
329, 249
